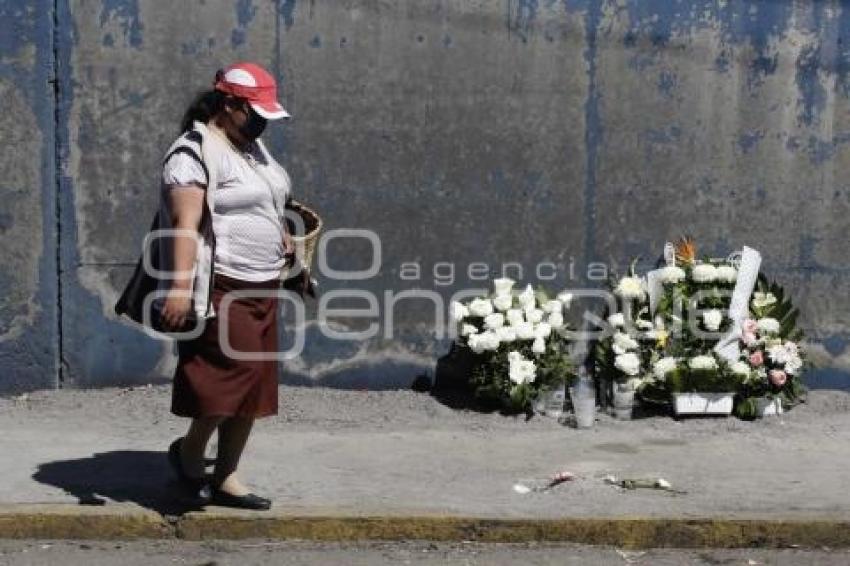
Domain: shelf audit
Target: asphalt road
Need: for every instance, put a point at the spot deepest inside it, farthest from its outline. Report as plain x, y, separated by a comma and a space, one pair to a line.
258, 552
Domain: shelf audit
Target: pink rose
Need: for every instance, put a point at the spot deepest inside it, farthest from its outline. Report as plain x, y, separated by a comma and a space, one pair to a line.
756, 358
778, 377
750, 326
748, 339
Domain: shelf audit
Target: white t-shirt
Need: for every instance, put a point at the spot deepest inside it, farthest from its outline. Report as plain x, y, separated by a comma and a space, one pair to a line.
246, 223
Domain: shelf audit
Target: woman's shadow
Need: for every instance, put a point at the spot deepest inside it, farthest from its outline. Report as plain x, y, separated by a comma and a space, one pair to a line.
135, 476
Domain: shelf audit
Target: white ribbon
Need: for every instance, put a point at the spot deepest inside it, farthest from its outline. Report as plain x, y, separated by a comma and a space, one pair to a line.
748, 272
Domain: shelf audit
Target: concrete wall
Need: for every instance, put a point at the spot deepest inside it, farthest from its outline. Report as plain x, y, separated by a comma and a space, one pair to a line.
460, 131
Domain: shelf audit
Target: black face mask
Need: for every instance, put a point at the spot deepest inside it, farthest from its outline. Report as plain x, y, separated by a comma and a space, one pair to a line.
253, 126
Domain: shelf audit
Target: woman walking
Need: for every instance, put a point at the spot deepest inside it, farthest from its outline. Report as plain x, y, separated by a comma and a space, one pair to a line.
213, 385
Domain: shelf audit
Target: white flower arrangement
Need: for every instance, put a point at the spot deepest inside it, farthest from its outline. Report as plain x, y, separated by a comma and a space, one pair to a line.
513, 336
678, 360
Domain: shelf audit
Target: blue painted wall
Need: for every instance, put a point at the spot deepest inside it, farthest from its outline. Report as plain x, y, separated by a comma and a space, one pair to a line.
29, 329
460, 132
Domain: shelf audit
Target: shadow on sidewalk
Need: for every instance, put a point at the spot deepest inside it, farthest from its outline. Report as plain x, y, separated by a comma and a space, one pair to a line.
134, 476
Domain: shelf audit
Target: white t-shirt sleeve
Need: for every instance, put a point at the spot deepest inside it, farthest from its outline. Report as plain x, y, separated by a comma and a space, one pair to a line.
183, 169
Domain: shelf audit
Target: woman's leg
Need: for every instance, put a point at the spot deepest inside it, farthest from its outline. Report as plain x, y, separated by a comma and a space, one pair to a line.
232, 436
194, 445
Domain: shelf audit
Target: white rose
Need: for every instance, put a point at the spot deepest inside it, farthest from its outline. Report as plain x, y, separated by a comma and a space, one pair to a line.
524, 331
553, 306
768, 325
503, 286
467, 330
628, 363
778, 354
630, 288
534, 315
514, 316
625, 341
761, 300
617, 320
520, 370
704, 273
489, 341
494, 321
539, 345
664, 366
565, 298
506, 334
672, 274
475, 343
503, 302
458, 311
712, 319
514, 356
481, 307
727, 274
793, 365
702, 362
526, 298
543, 330
740, 368
555, 320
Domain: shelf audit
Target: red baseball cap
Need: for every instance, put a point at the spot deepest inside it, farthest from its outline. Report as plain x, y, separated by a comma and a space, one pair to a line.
254, 84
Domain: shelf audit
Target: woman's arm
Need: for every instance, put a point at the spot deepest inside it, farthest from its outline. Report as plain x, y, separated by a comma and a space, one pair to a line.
186, 205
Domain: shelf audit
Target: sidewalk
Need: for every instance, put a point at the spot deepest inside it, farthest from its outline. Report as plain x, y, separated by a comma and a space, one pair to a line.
398, 464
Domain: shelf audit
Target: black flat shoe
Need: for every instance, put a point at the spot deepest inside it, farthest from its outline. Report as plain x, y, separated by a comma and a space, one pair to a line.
249, 501
197, 487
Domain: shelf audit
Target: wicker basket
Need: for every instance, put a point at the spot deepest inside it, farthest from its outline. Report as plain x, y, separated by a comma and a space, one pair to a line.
305, 244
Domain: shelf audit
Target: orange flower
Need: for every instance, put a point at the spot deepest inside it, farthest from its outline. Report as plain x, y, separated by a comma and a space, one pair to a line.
686, 250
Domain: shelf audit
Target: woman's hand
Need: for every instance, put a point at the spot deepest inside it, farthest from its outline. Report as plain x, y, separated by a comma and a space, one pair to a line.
176, 308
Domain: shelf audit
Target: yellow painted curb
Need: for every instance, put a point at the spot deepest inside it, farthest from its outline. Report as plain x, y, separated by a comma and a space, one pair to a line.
63, 521
127, 521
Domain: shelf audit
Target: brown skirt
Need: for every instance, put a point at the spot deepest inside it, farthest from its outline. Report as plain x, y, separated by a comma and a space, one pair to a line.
207, 381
